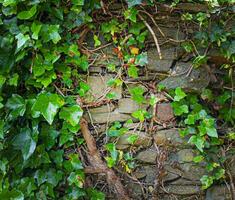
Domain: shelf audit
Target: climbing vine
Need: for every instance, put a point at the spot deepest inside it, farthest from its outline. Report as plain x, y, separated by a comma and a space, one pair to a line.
42, 89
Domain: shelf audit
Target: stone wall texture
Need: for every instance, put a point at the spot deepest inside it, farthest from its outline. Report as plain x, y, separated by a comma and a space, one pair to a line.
180, 177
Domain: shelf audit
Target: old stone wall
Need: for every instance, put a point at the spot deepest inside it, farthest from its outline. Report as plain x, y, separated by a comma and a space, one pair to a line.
179, 176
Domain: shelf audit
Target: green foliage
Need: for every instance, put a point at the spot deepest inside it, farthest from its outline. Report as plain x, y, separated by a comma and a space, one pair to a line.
38, 51
137, 94
39, 66
201, 129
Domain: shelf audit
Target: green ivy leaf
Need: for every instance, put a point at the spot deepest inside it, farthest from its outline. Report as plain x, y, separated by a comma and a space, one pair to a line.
199, 60
206, 181
13, 194
137, 94
24, 142
219, 173
95, 194
97, 41
35, 28
179, 94
65, 137
48, 136
71, 114
48, 104
222, 99
17, 105
198, 141
111, 148
13, 81
76, 178
21, 40
140, 115
75, 162
131, 14
111, 95
212, 132
50, 32
57, 156
207, 95
198, 159
2, 80
27, 14
191, 119
78, 2
132, 138
116, 130
141, 59
179, 109
133, 71
47, 78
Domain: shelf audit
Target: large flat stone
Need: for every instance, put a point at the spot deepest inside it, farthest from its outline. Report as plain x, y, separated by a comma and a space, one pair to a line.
161, 65
188, 171
182, 189
102, 118
164, 112
102, 109
98, 87
149, 172
218, 192
169, 137
171, 32
144, 140
128, 106
196, 81
185, 155
169, 53
147, 156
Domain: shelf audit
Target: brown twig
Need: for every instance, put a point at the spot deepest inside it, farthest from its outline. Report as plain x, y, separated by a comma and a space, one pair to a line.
92, 170
96, 104
98, 48
154, 22
58, 90
153, 34
232, 188
96, 162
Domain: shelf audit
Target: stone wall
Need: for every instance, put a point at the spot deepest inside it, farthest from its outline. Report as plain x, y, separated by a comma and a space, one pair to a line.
180, 177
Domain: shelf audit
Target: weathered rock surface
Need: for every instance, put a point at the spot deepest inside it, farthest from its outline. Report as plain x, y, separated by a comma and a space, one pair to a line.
98, 87
147, 156
127, 105
103, 109
161, 65
102, 118
196, 81
219, 192
149, 173
168, 137
132, 126
185, 155
164, 112
132, 85
182, 189
144, 140
188, 171
171, 32
181, 177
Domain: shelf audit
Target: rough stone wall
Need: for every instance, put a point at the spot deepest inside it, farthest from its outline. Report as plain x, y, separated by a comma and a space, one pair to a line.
179, 175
